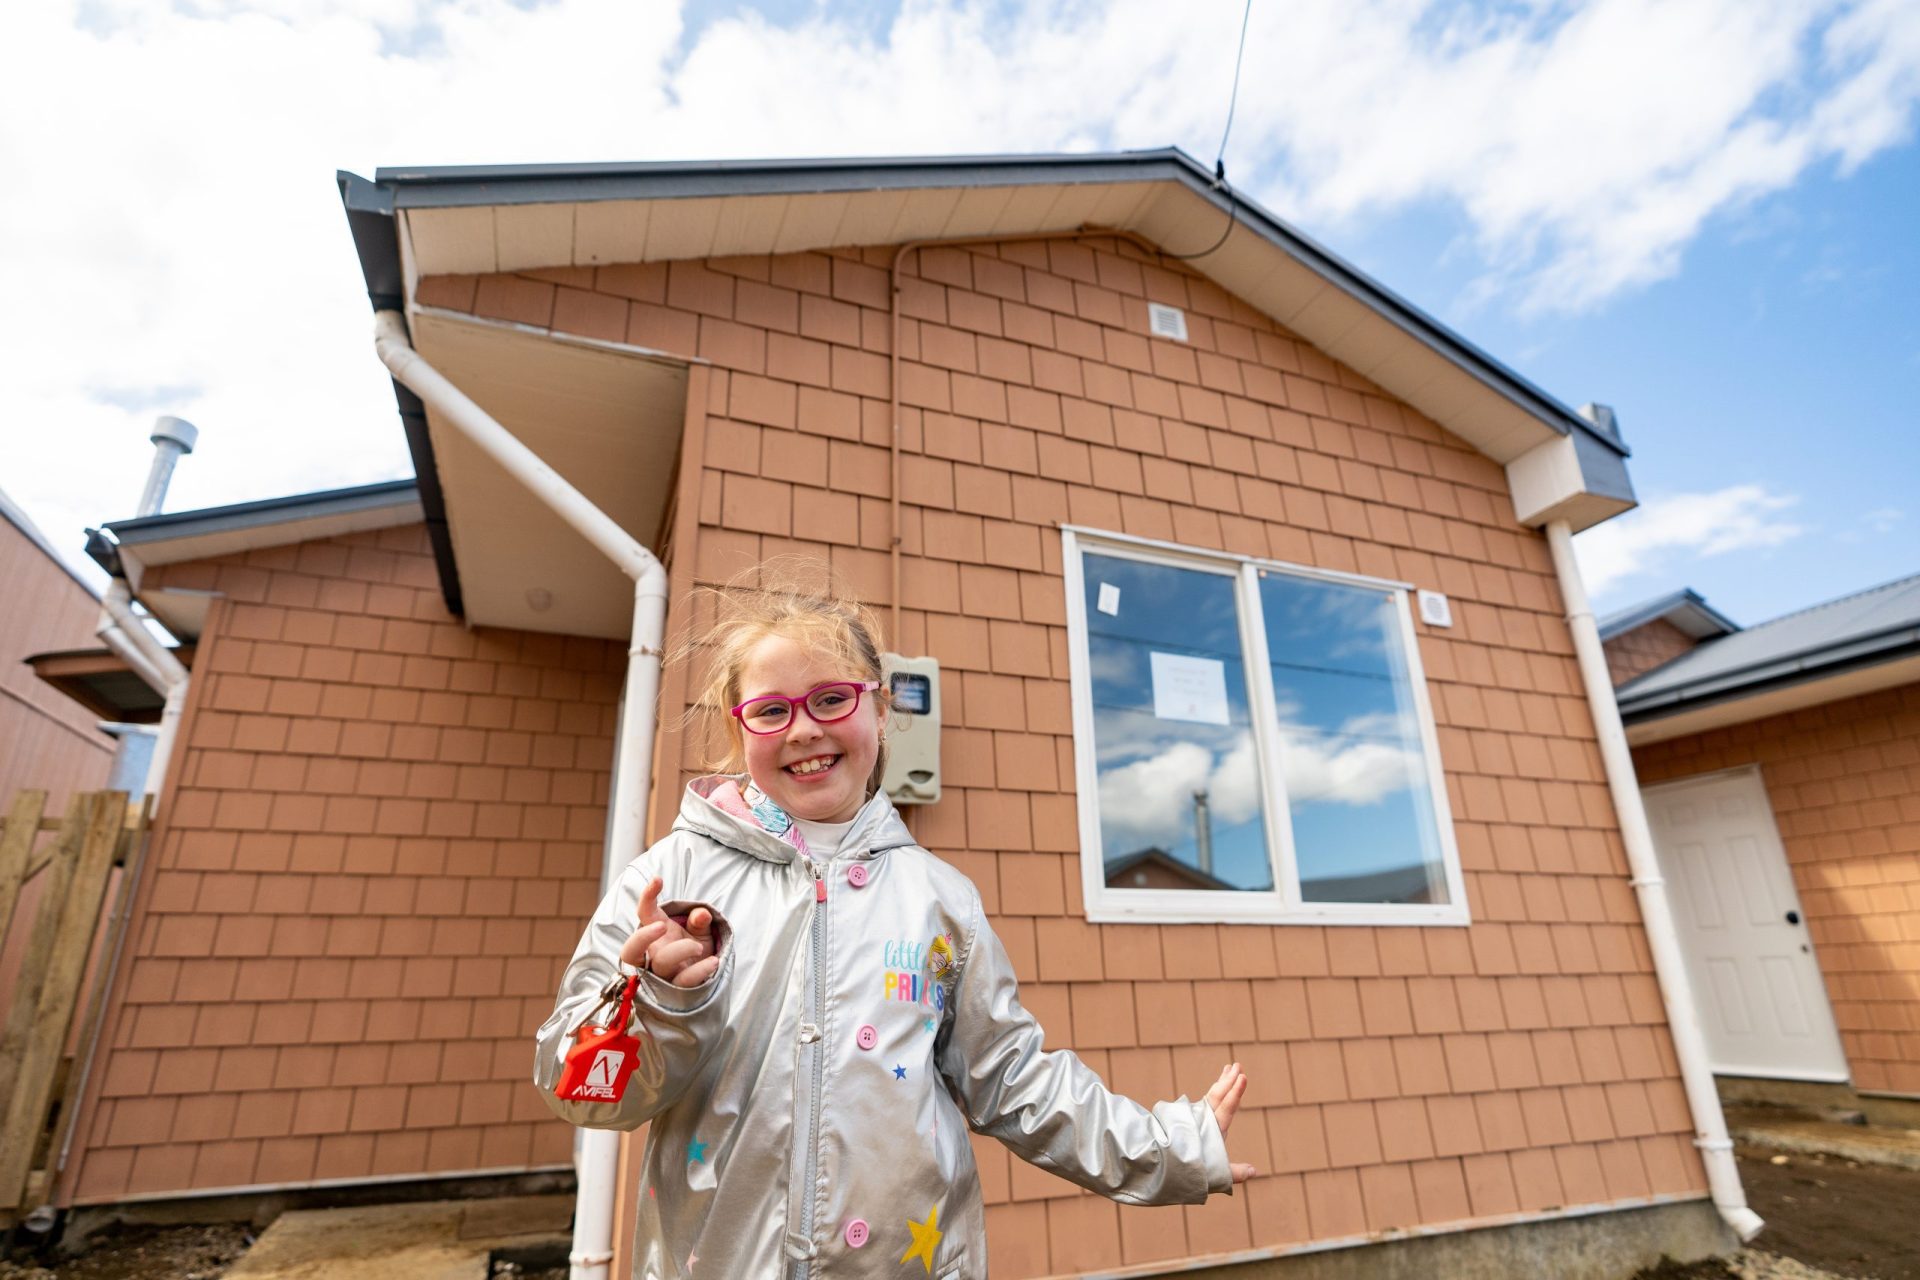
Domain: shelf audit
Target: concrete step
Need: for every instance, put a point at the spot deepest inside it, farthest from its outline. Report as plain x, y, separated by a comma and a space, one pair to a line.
435, 1240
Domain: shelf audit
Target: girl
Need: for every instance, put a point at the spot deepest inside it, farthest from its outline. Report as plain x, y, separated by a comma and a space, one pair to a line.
823, 1007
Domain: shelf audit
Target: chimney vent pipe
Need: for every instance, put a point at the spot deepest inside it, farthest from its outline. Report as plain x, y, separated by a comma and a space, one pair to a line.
171, 437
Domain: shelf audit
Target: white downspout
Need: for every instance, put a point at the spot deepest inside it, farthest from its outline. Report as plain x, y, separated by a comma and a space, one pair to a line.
122, 631
1689, 1046
597, 1162
127, 637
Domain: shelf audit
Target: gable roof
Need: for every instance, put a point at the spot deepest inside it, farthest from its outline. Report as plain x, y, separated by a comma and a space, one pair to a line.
825, 203
413, 221
1876, 628
1685, 609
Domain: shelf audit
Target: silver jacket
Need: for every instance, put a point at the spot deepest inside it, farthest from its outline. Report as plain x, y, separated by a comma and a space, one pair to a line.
827, 1074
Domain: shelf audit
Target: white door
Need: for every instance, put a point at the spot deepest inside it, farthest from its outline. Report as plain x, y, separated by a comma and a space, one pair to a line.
1749, 954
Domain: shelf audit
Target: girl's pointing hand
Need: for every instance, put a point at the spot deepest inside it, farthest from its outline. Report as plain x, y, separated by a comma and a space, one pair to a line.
1224, 1098
683, 956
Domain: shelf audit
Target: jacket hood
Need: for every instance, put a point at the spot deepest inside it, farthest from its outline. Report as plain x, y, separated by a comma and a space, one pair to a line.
876, 828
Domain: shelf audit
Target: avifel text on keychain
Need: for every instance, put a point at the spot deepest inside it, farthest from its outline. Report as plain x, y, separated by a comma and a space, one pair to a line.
603, 1055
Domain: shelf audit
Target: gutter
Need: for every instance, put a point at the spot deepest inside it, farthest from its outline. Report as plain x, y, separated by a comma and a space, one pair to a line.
597, 1163
1834, 659
1663, 939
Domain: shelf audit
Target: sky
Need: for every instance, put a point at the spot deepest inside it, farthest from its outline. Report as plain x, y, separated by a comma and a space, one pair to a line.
1700, 212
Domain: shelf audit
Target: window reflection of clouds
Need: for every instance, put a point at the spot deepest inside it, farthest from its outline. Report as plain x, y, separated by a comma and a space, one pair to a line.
1355, 765
1150, 768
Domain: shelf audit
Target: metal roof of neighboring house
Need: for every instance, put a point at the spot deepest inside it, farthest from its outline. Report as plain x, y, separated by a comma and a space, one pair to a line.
1869, 628
170, 537
10, 511
1685, 609
170, 526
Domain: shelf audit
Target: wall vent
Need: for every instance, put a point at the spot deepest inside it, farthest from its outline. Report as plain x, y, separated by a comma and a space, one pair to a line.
1167, 322
1434, 609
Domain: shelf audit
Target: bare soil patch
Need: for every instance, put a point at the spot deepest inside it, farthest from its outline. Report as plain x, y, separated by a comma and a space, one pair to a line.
1851, 1219
145, 1252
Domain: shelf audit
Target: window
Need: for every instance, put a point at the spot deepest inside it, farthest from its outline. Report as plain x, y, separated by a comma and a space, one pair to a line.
1252, 742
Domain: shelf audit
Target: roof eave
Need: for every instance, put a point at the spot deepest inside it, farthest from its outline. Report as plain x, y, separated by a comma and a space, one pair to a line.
372, 206
144, 542
1682, 603
1855, 652
454, 186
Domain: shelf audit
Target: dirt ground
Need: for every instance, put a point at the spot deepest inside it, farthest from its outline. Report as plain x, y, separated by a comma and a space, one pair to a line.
1852, 1219
1826, 1218
137, 1252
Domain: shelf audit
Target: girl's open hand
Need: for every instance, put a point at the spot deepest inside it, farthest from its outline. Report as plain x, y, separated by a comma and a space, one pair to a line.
1224, 1098
683, 956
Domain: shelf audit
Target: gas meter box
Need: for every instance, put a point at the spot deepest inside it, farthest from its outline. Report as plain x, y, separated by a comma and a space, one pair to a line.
913, 734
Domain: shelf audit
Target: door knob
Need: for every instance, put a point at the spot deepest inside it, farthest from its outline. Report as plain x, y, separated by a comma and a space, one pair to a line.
1793, 917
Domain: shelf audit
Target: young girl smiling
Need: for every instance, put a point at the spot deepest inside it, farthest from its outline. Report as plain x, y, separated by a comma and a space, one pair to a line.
823, 1009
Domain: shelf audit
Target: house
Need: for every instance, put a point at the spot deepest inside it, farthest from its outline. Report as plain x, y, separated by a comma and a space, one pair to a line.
1781, 764
1240, 525
46, 741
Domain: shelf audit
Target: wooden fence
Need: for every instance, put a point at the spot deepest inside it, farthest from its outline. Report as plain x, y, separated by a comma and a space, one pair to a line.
60, 991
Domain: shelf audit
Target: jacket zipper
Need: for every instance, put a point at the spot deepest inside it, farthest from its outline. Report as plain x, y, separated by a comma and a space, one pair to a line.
804, 1267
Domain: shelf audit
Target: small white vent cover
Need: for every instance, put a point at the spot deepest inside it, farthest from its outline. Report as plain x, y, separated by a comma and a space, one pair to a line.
1434, 609
1167, 322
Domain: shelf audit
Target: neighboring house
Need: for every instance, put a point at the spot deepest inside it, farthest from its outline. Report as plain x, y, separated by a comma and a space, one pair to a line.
1160, 521
46, 741
1782, 771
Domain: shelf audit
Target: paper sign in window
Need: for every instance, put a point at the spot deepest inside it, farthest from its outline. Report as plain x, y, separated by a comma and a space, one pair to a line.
1109, 599
1187, 688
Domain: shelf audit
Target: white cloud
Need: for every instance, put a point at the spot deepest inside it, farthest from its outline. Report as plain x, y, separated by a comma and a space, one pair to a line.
1663, 529
1150, 801
172, 240
1363, 762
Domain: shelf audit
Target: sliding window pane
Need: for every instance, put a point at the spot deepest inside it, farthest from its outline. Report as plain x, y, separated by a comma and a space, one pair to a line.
1179, 792
1357, 779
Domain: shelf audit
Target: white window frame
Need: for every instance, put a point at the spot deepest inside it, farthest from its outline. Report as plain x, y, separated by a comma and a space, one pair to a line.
1282, 904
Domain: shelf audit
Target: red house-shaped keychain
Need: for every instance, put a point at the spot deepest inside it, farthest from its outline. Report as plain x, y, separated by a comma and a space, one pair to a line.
602, 1056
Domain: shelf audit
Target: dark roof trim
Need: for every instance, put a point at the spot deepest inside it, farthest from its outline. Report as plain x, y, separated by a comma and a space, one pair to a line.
250, 515
424, 187
1685, 599
1817, 663
376, 238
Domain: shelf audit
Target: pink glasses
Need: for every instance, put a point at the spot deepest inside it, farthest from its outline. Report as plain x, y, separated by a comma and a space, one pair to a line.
827, 703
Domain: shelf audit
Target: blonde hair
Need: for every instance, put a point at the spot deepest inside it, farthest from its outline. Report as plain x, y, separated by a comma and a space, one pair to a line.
797, 598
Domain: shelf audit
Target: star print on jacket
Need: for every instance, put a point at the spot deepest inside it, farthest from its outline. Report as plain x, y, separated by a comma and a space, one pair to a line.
926, 1238
899, 1072
697, 1152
